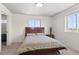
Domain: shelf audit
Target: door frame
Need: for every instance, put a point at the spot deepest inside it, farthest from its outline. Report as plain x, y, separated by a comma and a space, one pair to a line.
2, 12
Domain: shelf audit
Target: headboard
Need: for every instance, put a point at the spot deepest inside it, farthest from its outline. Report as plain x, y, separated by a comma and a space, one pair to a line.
34, 30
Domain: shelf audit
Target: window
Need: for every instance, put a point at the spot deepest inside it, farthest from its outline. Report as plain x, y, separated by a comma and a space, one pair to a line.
72, 22
34, 23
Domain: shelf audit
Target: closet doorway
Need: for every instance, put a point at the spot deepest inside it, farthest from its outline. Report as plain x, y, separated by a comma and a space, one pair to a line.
4, 29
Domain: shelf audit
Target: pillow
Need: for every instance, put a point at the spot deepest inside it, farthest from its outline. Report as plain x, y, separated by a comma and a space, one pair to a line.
35, 34
41, 34
30, 34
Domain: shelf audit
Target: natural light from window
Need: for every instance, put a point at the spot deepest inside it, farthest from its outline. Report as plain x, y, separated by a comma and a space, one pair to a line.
34, 23
72, 22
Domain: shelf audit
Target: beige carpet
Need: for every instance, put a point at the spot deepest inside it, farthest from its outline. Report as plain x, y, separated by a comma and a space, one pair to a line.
12, 50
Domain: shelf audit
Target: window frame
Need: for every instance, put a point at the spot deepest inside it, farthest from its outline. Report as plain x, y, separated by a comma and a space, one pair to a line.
34, 23
66, 23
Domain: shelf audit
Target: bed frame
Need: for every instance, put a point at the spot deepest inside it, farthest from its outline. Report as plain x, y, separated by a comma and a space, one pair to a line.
39, 51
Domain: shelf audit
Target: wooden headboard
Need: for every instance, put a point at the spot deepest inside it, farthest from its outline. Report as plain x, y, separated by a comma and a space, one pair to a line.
34, 30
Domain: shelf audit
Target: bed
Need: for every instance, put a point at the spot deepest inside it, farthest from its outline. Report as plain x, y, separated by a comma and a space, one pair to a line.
38, 43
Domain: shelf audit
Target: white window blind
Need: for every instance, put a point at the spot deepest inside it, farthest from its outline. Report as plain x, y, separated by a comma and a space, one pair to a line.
34, 23
72, 22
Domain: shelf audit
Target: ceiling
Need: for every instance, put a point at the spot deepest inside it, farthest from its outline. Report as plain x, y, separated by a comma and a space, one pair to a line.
48, 9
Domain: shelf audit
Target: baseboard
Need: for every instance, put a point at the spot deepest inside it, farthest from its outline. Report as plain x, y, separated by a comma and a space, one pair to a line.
75, 50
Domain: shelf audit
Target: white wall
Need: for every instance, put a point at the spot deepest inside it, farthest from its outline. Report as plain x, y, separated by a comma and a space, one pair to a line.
20, 21
4, 10
71, 39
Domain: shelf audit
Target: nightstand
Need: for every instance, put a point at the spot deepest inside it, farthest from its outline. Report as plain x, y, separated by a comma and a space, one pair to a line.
52, 36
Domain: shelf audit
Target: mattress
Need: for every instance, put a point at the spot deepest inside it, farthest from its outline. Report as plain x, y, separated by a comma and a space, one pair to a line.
38, 42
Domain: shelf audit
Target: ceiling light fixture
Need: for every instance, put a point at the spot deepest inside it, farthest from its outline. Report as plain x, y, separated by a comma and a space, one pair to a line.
39, 4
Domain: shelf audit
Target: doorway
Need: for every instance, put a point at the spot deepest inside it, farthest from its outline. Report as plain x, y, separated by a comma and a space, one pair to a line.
4, 29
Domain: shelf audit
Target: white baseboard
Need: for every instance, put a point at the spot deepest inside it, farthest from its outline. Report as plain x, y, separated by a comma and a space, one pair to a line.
75, 49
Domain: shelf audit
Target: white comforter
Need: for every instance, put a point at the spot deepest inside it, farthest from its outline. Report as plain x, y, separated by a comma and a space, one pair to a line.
38, 42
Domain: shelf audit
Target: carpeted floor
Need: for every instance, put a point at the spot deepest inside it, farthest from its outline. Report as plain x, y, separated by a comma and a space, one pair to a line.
12, 50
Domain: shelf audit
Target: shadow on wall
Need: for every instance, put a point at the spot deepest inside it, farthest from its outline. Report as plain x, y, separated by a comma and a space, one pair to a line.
19, 38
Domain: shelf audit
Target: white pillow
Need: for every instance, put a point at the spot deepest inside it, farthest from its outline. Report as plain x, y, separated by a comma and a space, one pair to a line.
42, 34
30, 34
